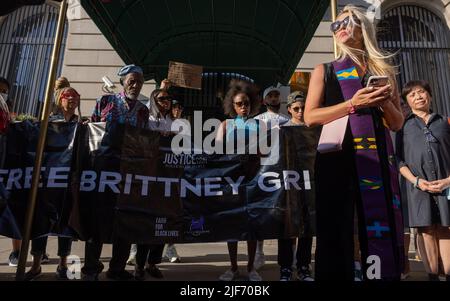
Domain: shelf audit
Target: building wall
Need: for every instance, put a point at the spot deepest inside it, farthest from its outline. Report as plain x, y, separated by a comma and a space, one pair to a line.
320, 48
89, 56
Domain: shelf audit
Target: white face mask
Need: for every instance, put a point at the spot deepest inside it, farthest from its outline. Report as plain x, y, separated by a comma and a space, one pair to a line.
5, 96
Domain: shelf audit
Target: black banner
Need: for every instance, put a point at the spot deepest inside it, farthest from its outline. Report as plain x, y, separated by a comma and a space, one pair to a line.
54, 201
127, 182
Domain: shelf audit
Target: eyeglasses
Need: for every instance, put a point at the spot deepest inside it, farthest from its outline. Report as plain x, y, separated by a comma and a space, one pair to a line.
335, 26
429, 135
242, 103
163, 98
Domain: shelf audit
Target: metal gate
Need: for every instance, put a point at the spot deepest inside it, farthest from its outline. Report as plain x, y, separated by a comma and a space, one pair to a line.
26, 42
423, 42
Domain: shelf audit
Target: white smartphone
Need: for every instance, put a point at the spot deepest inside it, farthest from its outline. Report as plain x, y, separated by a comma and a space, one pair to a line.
377, 81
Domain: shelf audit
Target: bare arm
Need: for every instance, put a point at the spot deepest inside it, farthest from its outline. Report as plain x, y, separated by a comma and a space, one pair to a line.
165, 84
423, 185
406, 172
314, 113
363, 98
221, 132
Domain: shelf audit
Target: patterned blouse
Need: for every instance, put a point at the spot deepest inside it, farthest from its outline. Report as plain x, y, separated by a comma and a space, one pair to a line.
118, 108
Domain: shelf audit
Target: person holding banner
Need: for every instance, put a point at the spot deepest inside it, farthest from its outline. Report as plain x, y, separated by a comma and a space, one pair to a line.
5, 119
67, 100
6, 105
171, 252
272, 118
424, 161
159, 120
125, 108
362, 170
240, 103
160, 111
296, 107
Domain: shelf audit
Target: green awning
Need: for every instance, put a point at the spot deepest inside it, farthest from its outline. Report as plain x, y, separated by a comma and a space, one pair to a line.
261, 39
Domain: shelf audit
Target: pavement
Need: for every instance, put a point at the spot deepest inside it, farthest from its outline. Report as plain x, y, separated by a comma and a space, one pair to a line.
199, 262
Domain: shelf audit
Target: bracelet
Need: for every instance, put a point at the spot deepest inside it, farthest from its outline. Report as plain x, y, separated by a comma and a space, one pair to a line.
351, 107
417, 183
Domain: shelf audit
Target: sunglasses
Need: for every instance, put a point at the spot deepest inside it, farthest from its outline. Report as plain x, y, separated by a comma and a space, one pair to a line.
297, 109
70, 95
242, 103
336, 26
163, 98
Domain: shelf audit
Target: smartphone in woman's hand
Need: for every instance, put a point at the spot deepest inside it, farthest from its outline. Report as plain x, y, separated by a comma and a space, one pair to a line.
377, 81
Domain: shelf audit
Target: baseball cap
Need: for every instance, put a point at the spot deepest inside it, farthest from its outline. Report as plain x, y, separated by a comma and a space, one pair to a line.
270, 89
295, 96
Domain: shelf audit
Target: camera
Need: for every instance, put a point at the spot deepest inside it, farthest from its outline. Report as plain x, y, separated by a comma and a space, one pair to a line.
108, 83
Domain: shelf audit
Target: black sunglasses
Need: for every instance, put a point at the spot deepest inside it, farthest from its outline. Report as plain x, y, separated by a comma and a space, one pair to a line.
242, 103
297, 109
335, 26
162, 98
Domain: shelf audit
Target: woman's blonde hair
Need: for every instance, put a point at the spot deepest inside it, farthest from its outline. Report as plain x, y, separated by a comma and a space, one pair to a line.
378, 62
62, 84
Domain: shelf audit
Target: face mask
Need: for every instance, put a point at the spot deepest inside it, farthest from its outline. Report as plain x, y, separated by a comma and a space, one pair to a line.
5, 96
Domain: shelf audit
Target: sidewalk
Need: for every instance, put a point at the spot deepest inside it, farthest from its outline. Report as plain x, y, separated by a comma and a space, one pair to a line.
199, 262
